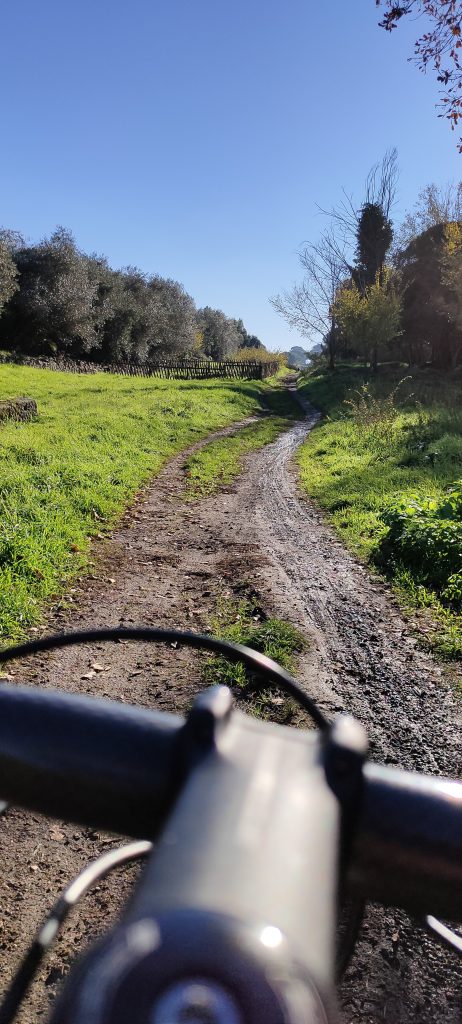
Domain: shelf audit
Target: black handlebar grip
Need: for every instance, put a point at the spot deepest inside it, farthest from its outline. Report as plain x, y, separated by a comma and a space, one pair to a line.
407, 850
89, 760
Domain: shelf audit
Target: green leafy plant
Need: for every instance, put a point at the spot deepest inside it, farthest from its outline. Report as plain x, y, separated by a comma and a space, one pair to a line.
425, 536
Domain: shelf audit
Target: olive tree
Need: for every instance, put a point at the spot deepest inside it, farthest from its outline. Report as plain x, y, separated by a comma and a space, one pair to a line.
220, 336
174, 313
53, 307
8, 274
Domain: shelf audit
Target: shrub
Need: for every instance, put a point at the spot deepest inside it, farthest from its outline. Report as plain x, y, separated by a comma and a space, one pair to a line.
259, 355
425, 536
371, 410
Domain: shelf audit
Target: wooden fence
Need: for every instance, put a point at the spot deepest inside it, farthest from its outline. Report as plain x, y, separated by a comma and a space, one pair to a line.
181, 369
204, 370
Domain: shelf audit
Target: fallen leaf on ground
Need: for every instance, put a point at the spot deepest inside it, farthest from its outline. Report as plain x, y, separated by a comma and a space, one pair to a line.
56, 834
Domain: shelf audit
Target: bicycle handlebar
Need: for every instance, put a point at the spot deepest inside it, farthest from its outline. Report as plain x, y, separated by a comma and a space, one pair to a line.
93, 761
407, 849
120, 768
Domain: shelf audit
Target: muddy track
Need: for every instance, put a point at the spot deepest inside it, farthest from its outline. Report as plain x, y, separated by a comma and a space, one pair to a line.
364, 659
168, 563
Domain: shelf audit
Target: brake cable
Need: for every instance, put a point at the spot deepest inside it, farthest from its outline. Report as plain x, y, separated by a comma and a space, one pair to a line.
48, 931
260, 663
446, 936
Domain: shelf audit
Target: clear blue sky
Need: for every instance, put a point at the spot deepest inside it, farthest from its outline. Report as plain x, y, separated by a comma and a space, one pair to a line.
196, 139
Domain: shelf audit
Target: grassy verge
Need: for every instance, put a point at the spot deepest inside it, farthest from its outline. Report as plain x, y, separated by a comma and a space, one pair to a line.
240, 618
383, 464
66, 477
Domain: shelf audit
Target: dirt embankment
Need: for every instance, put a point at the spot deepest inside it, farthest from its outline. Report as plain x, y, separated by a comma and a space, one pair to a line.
168, 564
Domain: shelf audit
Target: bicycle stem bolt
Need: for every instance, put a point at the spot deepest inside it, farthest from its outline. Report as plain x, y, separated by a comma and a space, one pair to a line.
195, 1001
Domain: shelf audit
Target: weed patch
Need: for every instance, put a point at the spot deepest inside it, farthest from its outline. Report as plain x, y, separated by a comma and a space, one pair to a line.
241, 620
425, 537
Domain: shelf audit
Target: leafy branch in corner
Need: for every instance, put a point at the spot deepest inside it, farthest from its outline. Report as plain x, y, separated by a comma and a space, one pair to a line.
439, 48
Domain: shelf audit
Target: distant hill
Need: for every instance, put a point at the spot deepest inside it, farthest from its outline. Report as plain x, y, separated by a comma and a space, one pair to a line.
297, 358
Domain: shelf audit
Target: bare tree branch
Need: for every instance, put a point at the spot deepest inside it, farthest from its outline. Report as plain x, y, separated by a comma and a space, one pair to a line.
382, 182
380, 190
307, 307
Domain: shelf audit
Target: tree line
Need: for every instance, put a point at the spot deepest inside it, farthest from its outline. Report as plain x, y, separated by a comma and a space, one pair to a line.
370, 291
57, 300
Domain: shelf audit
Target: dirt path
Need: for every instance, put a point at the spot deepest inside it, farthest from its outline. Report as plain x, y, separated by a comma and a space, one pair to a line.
168, 563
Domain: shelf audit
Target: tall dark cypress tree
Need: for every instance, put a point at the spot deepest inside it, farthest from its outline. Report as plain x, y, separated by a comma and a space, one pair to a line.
373, 240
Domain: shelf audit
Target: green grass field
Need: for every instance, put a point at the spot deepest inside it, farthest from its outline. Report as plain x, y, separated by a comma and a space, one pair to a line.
66, 477
384, 446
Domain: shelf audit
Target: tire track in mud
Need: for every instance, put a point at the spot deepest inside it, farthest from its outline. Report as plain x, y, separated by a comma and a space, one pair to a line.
363, 659
366, 658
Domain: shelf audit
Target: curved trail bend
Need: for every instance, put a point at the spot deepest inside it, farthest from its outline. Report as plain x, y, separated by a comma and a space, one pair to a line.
363, 659
167, 564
